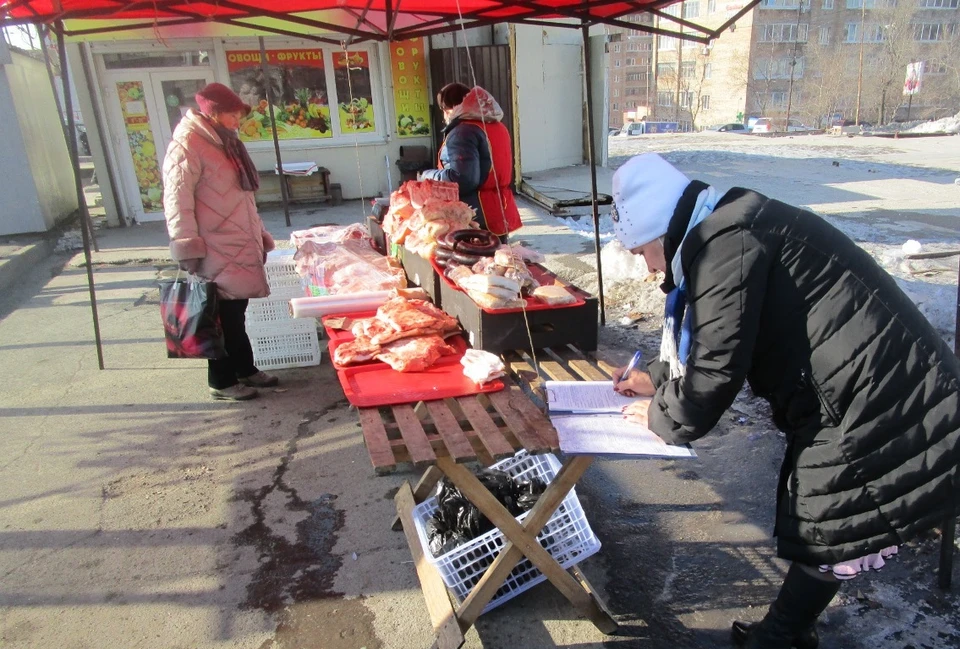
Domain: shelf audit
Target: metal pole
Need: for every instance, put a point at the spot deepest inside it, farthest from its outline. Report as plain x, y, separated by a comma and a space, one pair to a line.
793, 64
591, 155
81, 200
85, 221
909, 106
863, 13
276, 140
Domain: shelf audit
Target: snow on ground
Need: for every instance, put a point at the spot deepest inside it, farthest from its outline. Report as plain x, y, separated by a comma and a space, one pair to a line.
880, 192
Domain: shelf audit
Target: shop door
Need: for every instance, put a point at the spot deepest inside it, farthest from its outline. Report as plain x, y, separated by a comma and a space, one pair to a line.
146, 108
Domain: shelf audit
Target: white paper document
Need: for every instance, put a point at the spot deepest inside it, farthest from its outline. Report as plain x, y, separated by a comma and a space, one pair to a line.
584, 396
588, 419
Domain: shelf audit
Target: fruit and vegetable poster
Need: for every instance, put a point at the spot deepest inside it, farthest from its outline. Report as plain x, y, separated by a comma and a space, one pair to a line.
352, 74
410, 99
298, 86
143, 149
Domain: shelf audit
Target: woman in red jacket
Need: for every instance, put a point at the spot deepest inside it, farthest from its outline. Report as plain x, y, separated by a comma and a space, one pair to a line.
477, 155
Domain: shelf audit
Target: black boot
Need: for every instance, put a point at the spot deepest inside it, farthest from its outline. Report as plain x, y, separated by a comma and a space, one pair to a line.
803, 597
808, 639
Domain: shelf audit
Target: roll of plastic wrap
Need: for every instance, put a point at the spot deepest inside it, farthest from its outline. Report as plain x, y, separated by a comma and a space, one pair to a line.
315, 307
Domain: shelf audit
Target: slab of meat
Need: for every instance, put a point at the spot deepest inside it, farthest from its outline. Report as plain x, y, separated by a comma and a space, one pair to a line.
409, 315
414, 354
355, 351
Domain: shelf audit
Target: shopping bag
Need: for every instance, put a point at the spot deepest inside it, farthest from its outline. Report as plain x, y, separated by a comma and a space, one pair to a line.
191, 319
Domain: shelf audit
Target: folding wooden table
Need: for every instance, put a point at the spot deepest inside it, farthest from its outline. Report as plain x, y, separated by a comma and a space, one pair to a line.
439, 436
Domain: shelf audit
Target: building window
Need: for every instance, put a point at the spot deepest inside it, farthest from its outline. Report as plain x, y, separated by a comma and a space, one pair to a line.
664, 99
631, 62
934, 68
767, 69
688, 69
616, 63
872, 33
939, 4
616, 92
667, 43
708, 70
783, 4
691, 9
633, 91
784, 33
615, 106
686, 99
778, 98
711, 6
934, 31
616, 48
824, 35
667, 70
637, 76
827, 5
705, 102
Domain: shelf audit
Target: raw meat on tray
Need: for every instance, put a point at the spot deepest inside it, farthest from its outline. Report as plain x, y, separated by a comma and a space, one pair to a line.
407, 334
414, 354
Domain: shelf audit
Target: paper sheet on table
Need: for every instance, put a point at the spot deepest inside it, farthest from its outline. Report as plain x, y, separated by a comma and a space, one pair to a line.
612, 435
585, 396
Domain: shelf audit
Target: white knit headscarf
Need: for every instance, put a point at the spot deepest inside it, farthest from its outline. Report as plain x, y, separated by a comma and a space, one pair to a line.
646, 189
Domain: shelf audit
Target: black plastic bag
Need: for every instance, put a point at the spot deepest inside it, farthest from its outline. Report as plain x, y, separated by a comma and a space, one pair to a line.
191, 319
457, 521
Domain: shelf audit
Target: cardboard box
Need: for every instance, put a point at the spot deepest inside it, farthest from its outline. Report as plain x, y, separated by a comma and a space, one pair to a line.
420, 273
500, 332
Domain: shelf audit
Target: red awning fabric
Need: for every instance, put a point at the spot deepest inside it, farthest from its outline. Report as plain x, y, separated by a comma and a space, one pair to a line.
357, 19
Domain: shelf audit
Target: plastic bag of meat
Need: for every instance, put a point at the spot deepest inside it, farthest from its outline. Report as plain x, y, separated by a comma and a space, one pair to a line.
414, 354
420, 191
349, 267
329, 234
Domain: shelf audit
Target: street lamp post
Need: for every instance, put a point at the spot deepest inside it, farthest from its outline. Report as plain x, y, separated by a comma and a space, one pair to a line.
793, 63
863, 13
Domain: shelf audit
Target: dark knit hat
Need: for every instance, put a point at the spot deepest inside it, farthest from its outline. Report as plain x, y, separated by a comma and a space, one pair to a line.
217, 98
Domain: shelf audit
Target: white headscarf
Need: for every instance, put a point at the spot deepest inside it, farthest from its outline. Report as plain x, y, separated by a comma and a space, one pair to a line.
645, 193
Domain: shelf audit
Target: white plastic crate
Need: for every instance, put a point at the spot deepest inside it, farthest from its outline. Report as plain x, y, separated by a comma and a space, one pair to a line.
290, 344
282, 276
566, 536
269, 311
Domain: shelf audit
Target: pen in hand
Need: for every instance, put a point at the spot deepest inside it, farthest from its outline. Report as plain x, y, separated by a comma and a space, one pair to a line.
632, 365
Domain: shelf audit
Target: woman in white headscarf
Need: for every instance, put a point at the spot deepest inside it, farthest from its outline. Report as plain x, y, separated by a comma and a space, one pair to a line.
862, 385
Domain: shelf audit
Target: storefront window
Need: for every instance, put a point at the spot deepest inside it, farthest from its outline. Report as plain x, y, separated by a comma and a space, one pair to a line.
298, 85
159, 59
354, 92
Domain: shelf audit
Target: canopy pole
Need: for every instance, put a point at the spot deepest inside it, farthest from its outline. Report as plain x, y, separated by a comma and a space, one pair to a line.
81, 199
591, 156
276, 140
43, 32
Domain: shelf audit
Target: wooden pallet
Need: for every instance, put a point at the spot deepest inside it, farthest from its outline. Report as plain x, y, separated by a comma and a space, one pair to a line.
483, 427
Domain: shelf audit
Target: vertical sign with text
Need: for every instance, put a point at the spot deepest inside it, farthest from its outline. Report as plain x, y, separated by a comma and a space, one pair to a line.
412, 105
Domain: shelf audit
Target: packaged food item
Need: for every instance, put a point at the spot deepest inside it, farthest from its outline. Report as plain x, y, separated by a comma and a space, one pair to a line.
554, 295
482, 367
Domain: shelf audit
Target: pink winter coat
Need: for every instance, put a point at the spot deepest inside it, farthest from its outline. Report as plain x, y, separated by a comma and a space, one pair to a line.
209, 217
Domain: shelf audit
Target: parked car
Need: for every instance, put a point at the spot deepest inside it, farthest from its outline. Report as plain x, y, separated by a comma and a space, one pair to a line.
613, 131
633, 128
762, 125
796, 126
732, 126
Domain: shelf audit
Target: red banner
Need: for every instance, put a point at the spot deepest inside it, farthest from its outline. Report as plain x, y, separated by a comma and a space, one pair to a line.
242, 59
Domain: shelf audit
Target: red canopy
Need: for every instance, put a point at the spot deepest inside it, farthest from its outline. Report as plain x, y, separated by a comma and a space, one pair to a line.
358, 19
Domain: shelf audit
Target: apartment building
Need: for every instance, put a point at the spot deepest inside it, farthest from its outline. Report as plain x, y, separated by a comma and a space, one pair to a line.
811, 60
630, 71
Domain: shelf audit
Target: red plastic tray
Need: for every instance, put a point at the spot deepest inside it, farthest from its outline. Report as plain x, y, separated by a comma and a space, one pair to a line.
543, 276
375, 383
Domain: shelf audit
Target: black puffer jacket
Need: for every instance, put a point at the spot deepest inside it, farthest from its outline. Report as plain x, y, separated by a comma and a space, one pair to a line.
863, 386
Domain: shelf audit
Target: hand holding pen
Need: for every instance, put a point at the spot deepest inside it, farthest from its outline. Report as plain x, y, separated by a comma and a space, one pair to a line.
632, 382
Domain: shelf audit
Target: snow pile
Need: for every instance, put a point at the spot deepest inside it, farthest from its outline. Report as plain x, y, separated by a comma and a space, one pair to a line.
619, 264
584, 226
945, 125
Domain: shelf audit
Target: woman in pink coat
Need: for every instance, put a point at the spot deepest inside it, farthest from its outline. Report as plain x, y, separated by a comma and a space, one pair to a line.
215, 231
